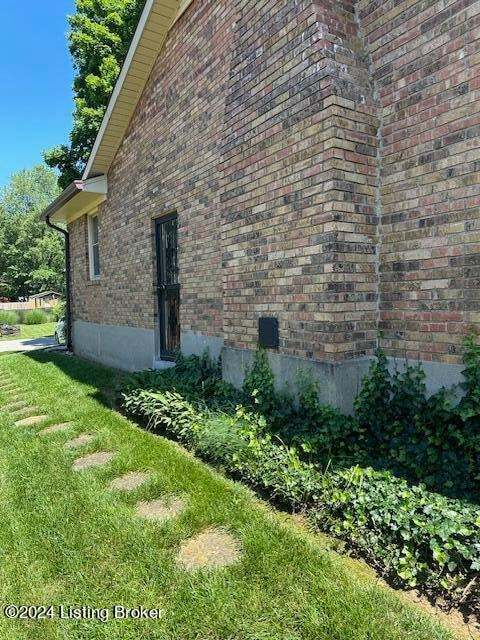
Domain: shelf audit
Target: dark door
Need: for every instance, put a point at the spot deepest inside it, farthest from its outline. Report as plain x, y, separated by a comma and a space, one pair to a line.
168, 287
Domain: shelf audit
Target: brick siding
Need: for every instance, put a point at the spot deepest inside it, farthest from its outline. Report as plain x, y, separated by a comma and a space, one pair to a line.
322, 159
425, 60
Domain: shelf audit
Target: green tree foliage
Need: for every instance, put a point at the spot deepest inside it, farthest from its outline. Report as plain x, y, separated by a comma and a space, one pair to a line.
31, 255
101, 32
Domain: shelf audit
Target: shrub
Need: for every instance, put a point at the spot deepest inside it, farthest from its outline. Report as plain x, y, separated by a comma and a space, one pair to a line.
418, 537
9, 317
423, 439
35, 316
197, 378
58, 311
321, 429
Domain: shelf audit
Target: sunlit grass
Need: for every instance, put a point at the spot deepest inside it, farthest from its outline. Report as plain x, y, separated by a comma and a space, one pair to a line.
66, 539
31, 331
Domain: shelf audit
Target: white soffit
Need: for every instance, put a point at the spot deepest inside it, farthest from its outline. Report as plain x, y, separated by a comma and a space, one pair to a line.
82, 196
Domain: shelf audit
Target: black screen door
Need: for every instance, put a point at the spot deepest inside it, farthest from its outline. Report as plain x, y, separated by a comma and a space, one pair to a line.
168, 287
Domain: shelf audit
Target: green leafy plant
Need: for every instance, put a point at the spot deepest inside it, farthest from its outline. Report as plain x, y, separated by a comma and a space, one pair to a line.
420, 538
58, 311
35, 316
9, 317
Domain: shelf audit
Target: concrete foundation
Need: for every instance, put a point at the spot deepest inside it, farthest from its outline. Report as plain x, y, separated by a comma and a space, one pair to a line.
126, 348
438, 374
134, 349
196, 343
339, 382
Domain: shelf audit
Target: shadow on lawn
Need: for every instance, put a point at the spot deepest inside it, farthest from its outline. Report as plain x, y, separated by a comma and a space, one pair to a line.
107, 382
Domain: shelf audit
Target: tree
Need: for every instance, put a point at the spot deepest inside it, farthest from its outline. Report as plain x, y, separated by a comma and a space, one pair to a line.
31, 254
101, 32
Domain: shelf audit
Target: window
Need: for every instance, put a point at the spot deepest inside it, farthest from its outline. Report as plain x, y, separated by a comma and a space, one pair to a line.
93, 250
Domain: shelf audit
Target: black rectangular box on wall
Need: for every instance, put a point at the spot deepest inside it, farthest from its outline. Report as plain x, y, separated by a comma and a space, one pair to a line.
268, 333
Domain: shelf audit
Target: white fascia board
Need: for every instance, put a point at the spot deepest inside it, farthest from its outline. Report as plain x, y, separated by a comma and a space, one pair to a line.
96, 185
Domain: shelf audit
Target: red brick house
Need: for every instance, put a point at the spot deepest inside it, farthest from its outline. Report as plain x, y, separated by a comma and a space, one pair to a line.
311, 161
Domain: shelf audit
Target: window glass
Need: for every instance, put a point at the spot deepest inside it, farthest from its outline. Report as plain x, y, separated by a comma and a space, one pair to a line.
94, 251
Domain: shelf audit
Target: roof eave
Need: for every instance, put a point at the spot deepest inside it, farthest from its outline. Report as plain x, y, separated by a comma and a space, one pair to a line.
80, 197
157, 18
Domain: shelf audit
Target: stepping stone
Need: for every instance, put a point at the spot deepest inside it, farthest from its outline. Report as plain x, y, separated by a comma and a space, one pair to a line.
211, 549
129, 481
93, 460
82, 440
19, 410
55, 428
11, 406
26, 422
160, 510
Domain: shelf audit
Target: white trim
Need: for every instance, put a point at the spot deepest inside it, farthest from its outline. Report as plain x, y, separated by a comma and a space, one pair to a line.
118, 86
82, 197
96, 185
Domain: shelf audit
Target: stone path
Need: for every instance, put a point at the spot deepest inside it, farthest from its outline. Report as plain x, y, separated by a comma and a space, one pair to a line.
27, 422
55, 428
92, 460
210, 549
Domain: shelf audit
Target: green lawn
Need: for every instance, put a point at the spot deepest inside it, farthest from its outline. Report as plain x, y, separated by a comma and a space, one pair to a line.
66, 539
30, 331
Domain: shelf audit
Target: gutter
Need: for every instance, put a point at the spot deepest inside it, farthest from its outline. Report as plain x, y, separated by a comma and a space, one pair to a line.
68, 314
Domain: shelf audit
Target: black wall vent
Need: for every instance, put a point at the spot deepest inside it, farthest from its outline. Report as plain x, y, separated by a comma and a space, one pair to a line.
268, 336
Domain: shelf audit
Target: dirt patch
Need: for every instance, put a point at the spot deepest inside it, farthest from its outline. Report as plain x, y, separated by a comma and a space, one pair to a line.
211, 549
55, 428
26, 422
464, 627
160, 510
82, 440
92, 460
129, 481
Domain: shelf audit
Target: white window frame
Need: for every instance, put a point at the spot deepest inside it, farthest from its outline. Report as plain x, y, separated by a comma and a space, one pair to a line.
91, 244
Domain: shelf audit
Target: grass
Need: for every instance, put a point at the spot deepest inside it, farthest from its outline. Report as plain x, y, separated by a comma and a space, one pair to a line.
67, 540
32, 331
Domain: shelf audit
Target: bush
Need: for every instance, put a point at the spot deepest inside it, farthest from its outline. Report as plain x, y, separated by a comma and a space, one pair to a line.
197, 378
58, 311
423, 439
9, 317
303, 454
419, 538
35, 316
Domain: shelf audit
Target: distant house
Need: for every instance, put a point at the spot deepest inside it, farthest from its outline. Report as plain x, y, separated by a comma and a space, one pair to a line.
300, 173
46, 298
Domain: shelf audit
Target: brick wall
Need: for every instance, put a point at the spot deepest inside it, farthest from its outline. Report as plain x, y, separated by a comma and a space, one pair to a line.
425, 60
299, 173
168, 161
322, 158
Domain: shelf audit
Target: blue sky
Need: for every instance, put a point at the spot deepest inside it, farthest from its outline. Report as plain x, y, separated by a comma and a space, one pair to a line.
35, 81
